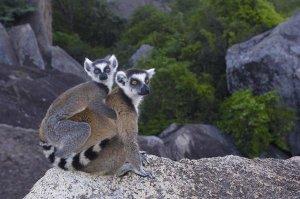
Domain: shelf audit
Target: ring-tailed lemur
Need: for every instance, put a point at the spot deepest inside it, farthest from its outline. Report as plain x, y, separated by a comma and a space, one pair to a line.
65, 136
118, 152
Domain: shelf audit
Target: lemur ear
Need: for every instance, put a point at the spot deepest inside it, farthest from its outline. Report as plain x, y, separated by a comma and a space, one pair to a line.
113, 61
88, 65
151, 72
121, 78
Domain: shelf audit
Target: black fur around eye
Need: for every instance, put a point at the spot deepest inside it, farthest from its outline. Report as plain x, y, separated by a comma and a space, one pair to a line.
97, 71
107, 69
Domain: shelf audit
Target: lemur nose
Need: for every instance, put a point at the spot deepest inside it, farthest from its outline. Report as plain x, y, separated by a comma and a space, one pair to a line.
102, 76
145, 90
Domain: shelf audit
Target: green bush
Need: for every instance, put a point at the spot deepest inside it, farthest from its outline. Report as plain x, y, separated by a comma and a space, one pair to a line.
150, 25
176, 96
91, 19
12, 10
77, 48
256, 121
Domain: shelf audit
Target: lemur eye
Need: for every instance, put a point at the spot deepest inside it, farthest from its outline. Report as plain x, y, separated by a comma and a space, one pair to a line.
134, 82
147, 81
97, 71
107, 69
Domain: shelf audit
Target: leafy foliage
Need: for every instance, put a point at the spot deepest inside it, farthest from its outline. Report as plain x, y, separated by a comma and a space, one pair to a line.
256, 121
12, 10
78, 48
176, 96
94, 22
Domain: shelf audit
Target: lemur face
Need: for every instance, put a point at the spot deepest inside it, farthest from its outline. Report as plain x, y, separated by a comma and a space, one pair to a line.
135, 82
101, 70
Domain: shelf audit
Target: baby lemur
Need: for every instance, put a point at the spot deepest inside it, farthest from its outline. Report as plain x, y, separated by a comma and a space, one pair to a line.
113, 149
64, 136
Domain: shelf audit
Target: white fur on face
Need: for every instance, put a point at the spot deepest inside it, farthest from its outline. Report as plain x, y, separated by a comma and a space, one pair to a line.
130, 91
95, 77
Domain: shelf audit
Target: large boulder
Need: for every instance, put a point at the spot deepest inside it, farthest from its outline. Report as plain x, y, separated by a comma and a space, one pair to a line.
125, 8
7, 54
22, 161
26, 93
192, 141
143, 52
41, 22
153, 145
269, 61
222, 177
26, 46
62, 61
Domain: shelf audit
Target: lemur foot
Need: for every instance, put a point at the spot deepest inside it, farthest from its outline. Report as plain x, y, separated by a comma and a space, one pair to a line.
144, 173
128, 167
144, 158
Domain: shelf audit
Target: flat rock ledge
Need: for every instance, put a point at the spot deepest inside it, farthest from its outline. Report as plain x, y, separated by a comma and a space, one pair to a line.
221, 177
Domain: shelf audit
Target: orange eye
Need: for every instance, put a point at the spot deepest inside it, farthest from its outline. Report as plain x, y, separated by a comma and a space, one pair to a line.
134, 82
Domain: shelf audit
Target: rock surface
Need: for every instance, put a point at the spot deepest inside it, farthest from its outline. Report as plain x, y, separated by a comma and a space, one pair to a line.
26, 46
22, 161
269, 61
143, 52
222, 177
63, 62
7, 54
26, 93
41, 22
125, 8
192, 141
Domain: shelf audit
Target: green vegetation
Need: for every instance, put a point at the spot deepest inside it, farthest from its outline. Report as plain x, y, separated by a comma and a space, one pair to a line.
190, 44
12, 10
256, 121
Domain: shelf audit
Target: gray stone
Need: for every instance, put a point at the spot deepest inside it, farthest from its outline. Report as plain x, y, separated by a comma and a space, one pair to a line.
125, 8
26, 93
7, 54
22, 161
143, 52
274, 152
26, 46
192, 141
62, 61
41, 22
153, 145
221, 177
270, 61
195, 141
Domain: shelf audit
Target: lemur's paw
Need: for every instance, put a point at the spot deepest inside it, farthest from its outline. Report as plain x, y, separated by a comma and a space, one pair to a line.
144, 158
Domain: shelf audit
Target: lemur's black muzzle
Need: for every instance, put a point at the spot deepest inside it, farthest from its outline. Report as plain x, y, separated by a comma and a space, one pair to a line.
144, 90
102, 76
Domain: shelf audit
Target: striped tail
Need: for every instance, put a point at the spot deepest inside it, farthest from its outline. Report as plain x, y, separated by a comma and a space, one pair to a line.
75, 161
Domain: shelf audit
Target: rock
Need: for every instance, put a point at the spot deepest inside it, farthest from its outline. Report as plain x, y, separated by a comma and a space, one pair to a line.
142, 53
125, 8
195, 141
270, 61
192, 141
41, 22
153, 145
7, 54
63, 62
22, 161
26, 93
26, 46
274, 152
221, 177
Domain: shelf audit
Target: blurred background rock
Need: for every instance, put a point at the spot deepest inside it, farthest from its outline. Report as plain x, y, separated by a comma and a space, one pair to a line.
227, 78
